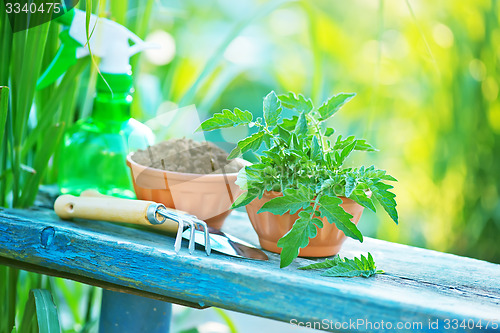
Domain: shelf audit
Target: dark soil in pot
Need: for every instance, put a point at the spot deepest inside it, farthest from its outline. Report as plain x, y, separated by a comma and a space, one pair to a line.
187, 156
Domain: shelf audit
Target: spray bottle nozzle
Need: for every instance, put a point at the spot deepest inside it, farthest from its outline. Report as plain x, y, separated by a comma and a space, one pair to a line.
109, 41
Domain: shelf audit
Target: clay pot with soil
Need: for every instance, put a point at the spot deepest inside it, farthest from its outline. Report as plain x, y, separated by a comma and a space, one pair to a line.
190, 176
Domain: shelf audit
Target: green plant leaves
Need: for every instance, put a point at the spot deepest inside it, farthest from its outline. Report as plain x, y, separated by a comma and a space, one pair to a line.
341, 156
301, 128
360, 144
41, 306
350, 185
328, 263
226, 119
335, 214
304, 163
298, 237
296, 102
246, 197
338, 267
292, 200
272, 109
385, 198
249, 175
316, 152
253, 142
333, 104
360, 197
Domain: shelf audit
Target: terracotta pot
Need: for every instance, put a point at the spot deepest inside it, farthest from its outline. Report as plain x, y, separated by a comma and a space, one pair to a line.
270, 228
208, 197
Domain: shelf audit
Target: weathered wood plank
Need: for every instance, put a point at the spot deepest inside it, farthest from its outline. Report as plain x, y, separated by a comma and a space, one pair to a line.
420, 286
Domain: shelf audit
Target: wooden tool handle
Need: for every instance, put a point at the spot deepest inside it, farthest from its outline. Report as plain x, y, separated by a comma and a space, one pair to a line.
109, 209
94, 193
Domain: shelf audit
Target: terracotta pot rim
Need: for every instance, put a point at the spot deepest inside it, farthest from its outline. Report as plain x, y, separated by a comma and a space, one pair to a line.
181, 175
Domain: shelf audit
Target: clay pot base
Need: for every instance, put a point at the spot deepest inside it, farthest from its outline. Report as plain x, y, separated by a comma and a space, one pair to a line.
316, 251
270, 228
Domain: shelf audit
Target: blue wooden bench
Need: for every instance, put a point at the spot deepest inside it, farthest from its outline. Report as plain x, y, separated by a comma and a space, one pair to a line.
422, 290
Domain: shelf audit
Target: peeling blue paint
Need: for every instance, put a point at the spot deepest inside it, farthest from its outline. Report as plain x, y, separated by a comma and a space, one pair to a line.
47, 236
416, 287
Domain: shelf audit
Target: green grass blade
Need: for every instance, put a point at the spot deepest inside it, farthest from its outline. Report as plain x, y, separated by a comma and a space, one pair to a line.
49, 111
40, 165
141, 26
15, 168
5, 45
4, 108
229, 322
29, 45
32, 63
40, 306
13, 276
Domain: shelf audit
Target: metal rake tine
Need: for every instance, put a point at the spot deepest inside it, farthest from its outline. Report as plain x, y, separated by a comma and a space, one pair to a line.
208, 248
191, 236
178, 237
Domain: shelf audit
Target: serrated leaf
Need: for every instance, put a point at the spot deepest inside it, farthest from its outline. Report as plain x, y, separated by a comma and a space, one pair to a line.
316, 152
370, 260
362, 145
335, 214
360, 197
296, 102
342, 143
253, 142
289, 124
325, 264
246, 197
347, 271
283, 133
354, 267
292, 200
301, 128
350, 185
386, 199
226, 119
267, 141
294, 143
272, 109
363, 266
346, 151
333, 104
297, 238
389, 178
329, 131
241, 179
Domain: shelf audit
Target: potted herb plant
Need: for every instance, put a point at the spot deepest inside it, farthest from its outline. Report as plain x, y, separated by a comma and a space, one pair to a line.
300, 193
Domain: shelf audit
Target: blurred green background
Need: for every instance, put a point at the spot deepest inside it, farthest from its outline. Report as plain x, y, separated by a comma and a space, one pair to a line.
427, 76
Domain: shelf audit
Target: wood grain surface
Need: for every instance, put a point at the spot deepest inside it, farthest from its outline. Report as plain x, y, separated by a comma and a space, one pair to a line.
420, 286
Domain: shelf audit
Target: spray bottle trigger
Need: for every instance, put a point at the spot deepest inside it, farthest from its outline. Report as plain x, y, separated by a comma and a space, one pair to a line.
65, 58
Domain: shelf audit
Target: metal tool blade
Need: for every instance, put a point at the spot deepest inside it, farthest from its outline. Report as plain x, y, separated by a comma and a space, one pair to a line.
227, 244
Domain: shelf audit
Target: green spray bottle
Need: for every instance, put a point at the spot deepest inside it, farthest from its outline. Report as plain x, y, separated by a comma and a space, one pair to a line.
94, 150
